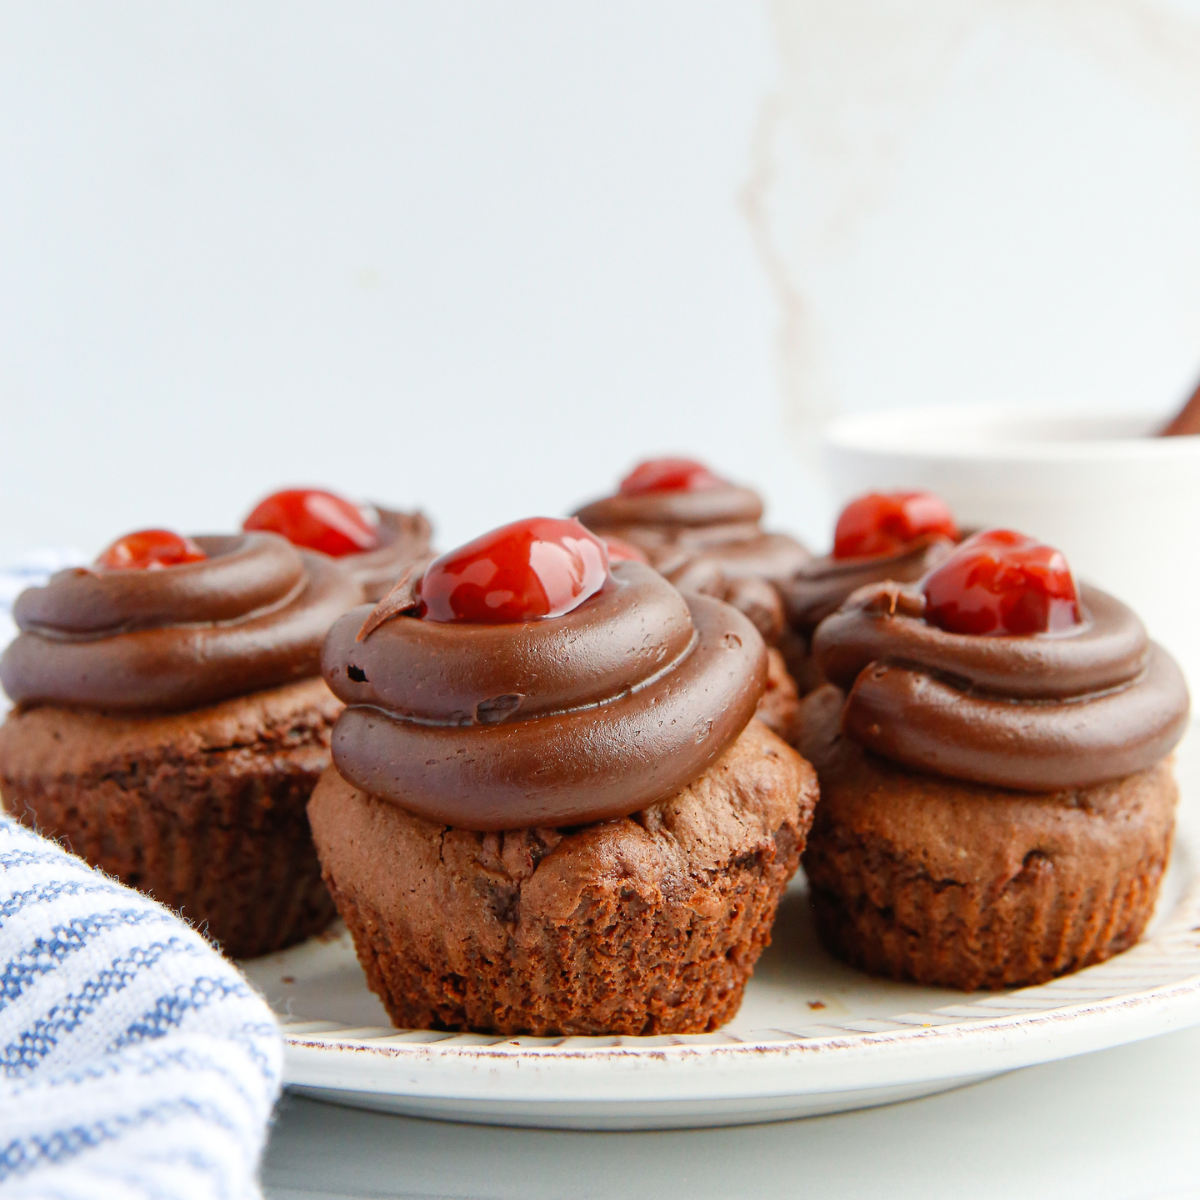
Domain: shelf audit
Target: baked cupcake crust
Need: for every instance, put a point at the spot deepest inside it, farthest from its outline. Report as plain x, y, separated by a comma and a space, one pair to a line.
779, 707
958, 884
647, 924
203, 810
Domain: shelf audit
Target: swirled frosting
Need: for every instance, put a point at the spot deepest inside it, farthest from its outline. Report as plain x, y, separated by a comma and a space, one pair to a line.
252, 615
820, 585
403, 542
707, 542
1036, 713
562, 721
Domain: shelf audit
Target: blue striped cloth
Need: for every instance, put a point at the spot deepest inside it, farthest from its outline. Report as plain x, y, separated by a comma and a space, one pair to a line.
135, 1062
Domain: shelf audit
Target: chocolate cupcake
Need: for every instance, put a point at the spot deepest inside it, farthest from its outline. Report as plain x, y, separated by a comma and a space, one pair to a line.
552, 810
704, 534
997, 803
374, 545
171, 722
895, 535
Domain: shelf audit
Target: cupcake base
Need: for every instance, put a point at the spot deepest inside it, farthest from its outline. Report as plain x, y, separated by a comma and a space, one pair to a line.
203, 810
780, 704
650, 924
959, 885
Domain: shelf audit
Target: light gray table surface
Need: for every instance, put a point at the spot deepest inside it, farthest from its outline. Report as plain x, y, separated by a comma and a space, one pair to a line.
1121, 1124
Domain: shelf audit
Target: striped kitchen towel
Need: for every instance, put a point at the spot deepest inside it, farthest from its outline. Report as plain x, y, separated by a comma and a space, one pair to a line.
135, 1062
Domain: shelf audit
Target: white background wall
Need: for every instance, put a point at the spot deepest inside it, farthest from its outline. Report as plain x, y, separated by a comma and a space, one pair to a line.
990, 201
481, 257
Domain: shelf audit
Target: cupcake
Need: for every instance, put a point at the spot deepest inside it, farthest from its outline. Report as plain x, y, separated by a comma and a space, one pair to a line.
171, 722
704, 534
993, 746
880, 536
551, 809
374, 545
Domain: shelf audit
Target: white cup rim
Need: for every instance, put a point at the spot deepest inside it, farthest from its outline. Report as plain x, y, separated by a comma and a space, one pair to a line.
1007, 433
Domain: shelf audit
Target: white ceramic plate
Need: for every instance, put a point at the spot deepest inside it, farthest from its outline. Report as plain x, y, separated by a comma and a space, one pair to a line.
812, 1035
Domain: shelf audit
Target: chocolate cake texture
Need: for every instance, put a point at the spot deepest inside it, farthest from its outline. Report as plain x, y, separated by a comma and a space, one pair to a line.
566, 825
779, 707
959, 884
204, 811
995, 811
170, 726
647, 924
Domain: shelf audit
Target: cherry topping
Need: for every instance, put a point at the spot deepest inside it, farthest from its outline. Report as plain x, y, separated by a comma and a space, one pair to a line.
669, 475
1001, 582
540, 567
315, 520
885, 523
150, 550
619, 550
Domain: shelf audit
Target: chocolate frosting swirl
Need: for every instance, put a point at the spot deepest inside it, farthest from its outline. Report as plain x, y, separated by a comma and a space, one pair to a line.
595, 714
820, 585
251, 616
404, 541
1035, 713
727, 504
707, 542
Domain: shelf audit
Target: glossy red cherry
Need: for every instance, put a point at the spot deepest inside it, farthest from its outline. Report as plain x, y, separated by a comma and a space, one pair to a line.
669, 475
540, 567
885, 523
150, 550
315, 520
619, 550
1001, 582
